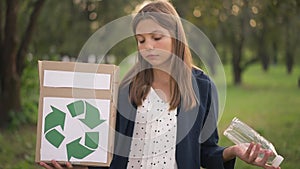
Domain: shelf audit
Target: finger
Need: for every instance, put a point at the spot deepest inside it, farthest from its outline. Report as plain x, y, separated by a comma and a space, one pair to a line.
271, 167
69, 165
254, 154
264, 160
266, 166
249, 150
56, 164
45, 165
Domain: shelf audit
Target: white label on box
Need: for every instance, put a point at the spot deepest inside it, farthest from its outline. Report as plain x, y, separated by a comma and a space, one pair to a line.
82, 80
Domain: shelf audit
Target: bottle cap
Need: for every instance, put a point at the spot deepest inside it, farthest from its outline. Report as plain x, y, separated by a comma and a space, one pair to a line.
277, 161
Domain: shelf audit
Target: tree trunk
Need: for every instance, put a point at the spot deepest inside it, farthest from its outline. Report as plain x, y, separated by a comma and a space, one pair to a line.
288, 54
289, 61
11, 97
237, 42
1, 25
262, 51
288, 48
28, 36
10, 81
275, 53
264, 59
12, 59
237, 52
236, 59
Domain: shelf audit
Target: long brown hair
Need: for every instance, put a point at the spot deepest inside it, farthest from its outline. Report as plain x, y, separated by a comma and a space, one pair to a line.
140, 76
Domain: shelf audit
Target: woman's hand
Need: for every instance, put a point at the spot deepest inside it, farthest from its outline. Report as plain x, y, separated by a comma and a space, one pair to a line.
250, 156
56, 165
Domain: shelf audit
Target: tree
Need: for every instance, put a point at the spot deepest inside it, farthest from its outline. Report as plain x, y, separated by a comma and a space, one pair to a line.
13, 49
291, 31
238, 29
247, 30
71, 23
226, 25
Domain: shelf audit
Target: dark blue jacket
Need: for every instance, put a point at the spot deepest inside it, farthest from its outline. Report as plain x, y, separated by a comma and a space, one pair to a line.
197, 135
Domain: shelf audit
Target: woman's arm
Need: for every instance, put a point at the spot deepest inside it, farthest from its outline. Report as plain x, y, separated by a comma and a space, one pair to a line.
250, 156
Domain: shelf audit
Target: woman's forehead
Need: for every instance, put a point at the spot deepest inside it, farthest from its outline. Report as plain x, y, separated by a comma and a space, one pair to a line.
147, 26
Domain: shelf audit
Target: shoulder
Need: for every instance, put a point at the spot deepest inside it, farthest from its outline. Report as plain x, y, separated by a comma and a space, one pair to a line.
204, 87
200, 77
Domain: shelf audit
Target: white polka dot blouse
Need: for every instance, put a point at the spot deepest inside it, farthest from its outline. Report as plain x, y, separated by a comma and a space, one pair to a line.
154, 135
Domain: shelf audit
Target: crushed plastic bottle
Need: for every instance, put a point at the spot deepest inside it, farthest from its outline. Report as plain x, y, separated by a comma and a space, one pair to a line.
241, 134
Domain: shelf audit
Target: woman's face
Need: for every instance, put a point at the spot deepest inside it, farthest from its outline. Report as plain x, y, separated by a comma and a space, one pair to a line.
154, 43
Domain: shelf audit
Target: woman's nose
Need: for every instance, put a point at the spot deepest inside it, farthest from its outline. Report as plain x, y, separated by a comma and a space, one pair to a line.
149, 45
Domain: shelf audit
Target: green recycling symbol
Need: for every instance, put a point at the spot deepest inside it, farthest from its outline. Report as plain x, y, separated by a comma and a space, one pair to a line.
74, 148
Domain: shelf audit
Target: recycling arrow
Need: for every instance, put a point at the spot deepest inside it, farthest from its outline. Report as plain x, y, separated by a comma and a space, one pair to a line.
92, 139
55, 118
92, 116
76, 108
55, 138
76, 150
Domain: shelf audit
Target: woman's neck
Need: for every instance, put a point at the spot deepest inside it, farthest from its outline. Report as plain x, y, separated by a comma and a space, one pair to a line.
161, 77
162, 84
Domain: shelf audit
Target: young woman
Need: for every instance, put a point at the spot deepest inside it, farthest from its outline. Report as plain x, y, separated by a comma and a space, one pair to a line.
164, 102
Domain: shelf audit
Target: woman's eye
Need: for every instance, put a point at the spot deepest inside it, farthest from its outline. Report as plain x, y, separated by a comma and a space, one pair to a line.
157, 38
141, 41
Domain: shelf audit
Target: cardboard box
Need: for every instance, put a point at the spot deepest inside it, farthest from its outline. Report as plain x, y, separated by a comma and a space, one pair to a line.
77, 112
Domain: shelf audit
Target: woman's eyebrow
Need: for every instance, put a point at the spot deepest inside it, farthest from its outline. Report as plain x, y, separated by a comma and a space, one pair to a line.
157, 32
153, 32
139, 36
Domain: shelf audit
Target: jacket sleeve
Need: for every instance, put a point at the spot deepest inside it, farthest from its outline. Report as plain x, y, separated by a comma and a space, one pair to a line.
211, 152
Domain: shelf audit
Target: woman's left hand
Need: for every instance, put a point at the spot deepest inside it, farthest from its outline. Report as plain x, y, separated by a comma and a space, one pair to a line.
250, 156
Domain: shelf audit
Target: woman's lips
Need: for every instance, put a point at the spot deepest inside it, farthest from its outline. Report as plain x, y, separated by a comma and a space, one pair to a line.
151, 55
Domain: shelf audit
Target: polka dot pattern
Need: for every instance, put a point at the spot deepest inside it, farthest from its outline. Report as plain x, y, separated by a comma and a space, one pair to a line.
154, 135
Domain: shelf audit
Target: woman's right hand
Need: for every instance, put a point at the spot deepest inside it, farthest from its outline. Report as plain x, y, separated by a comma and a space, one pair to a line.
250, 156
56, 165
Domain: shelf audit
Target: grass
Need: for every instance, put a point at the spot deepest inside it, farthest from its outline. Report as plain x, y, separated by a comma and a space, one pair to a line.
267, 101
17, 150
270, 103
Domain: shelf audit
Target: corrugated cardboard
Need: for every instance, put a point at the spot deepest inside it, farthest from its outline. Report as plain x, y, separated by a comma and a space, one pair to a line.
76, 92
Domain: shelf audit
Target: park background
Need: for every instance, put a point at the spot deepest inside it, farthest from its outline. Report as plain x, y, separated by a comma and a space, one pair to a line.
257, 41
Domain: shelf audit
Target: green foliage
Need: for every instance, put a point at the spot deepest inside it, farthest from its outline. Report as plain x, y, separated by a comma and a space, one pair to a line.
63, 29
268, 28
64, 26
30, 91
29, 95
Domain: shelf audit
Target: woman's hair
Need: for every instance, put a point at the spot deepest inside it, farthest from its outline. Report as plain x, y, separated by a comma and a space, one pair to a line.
140, 76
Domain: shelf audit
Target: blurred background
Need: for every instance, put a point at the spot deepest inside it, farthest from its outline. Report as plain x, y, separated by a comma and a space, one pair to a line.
257, 41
